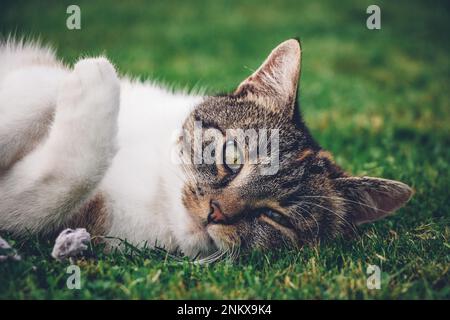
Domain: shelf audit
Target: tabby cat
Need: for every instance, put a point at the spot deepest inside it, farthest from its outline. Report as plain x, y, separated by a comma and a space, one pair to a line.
83, 148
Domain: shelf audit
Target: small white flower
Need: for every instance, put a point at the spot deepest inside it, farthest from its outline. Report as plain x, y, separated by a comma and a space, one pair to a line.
7, 252
71, 243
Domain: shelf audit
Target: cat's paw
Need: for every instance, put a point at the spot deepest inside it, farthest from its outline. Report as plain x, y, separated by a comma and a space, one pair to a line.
95, 72
92, 85
88, 107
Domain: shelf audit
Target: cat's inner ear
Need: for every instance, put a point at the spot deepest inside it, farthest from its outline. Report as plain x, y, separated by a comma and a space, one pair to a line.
371, 199
274, 84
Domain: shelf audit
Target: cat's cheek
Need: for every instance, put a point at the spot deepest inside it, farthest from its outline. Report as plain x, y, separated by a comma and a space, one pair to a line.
196, 207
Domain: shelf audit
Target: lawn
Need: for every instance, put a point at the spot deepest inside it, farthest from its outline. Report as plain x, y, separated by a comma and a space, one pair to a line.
378, 99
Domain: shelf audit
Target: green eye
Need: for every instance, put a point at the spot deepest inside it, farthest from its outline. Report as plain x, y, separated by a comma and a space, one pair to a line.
232, 156
277, 217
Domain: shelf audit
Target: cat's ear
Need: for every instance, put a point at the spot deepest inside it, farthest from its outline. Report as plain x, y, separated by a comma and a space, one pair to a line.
371, 199
274, 84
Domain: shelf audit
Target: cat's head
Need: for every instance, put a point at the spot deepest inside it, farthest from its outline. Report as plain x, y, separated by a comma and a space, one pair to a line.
292, 192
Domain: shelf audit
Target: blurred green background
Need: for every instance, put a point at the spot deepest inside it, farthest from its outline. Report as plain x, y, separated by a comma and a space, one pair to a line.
378, 99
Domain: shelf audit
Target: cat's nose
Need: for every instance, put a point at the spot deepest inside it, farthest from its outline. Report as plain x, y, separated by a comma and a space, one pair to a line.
215, 213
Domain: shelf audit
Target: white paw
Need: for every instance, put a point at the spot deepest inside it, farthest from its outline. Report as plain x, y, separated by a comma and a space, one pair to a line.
95, 72
93, 84
87, 109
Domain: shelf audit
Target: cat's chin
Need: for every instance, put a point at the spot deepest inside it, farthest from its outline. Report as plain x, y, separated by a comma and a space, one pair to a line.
204, 239
194, 238
211, 237
223, 236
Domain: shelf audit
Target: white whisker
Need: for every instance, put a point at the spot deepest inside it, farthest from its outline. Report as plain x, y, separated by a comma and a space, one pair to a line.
347, 200
333, 212
314, 218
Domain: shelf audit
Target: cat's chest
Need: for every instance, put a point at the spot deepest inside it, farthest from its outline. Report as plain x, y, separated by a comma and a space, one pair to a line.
143, 183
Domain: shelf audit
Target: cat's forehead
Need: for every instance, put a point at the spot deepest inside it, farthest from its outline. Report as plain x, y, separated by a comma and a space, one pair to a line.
230, 112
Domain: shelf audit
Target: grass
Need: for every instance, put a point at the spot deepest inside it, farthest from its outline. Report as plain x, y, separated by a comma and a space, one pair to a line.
379, 100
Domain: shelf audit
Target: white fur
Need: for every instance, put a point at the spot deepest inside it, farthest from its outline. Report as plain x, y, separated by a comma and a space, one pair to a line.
106, 135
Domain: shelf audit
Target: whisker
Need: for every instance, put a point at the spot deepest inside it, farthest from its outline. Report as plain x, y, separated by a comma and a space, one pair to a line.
347, 200
235, 250
333, 212
314, 218
211, 258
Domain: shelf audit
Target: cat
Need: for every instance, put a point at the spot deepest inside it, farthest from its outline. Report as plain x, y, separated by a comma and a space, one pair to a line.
82, 148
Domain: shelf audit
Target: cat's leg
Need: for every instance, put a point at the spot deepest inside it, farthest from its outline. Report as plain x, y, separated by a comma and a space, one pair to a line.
27, 104
39, 192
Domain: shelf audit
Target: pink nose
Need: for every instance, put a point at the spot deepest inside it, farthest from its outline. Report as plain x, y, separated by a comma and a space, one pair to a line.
215, 213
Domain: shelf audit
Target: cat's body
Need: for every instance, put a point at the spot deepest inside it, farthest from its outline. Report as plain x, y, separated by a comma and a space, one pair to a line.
82, 148
136, 192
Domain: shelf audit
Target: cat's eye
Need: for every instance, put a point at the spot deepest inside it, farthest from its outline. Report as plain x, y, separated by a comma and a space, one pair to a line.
277, 217
232, 156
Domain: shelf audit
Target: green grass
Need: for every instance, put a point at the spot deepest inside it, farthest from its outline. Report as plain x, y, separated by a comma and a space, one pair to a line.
378, 99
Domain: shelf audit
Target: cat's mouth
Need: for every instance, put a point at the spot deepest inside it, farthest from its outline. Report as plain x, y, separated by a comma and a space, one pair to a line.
211, 236
199, 230
210, 223
214, 236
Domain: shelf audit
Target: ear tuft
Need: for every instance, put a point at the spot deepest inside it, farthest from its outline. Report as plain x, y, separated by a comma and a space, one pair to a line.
275, 82
372, 199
